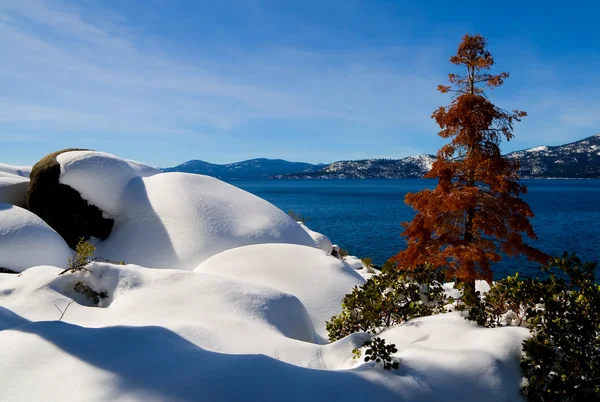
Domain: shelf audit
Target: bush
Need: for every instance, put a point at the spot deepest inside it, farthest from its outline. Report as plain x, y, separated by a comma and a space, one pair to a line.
506, 302
379, 352
561, 361
388, 299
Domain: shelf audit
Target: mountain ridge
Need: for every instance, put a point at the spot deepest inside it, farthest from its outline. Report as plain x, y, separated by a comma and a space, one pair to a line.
578, 159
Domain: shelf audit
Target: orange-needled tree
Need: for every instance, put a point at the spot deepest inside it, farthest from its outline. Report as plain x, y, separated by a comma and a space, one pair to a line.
474, 214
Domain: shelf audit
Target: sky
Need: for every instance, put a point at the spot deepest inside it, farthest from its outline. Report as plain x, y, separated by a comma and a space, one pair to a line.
166, 81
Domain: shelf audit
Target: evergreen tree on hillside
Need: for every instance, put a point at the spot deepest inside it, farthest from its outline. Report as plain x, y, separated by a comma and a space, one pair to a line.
475, 212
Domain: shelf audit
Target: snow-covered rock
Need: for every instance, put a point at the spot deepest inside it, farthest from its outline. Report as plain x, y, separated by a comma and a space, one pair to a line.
13, 189
99, 177
321, 241
23, 171
27, 241
319, 280
14, 181
178, 220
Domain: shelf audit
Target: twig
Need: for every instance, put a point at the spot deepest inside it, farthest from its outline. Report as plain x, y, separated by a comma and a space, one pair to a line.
73, 269
62, 312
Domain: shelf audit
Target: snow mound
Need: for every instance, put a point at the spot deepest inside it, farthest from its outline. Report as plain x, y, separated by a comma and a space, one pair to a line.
178, 220
188, 336
321, 241
442, 352
26, 241
13, 189
320, 281
99, 177
354, 262
23, 171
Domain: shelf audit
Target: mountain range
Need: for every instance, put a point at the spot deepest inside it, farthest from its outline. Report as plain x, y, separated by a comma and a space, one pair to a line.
251, 169
580, 159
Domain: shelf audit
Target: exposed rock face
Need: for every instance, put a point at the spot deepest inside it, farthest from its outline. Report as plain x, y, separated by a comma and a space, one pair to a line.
62, 207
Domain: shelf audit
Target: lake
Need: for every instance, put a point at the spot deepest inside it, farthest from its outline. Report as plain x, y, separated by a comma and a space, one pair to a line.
364, 216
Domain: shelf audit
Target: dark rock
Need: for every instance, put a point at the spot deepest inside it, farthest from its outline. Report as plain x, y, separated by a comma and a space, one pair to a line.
91, 294
61, 206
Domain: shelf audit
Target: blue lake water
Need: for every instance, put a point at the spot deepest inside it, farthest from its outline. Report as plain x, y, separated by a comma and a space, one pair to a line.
364, 216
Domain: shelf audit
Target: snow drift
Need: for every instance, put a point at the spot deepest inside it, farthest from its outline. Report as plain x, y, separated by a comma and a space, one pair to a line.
318, 280
321, 241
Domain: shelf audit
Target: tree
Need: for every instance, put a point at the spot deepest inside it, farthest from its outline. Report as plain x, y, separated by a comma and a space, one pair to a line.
474, 214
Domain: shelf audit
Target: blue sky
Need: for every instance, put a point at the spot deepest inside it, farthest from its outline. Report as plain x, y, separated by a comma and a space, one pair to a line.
164, 81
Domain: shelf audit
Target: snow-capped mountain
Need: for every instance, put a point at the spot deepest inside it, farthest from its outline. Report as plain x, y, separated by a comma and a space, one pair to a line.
250, 169
410, 167
580, 159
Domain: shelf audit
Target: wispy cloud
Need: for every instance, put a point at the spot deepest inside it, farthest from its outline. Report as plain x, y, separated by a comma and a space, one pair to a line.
65, 72
75, 75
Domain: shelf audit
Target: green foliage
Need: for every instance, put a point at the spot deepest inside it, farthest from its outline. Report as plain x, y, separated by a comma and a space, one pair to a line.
388, 299
379, 352
84, 252
298, 217
506, 302
561, 360
356, 353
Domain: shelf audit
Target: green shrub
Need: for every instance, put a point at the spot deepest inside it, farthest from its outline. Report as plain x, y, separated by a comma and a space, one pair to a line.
561, 360
506, 302
379, 352
84, 253
388, 299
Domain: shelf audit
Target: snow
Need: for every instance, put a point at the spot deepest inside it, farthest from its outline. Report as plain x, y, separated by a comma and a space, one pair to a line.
538, 149
321, 241
27, 241
99, 177
13, 189
14, 181
179, 335
224, 297
23, 171
318, 280
178, 220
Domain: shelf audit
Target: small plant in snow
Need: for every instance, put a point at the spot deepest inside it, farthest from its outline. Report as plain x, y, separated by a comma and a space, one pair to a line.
298, 217
84, 252
368, 263
356, 353
378, 351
